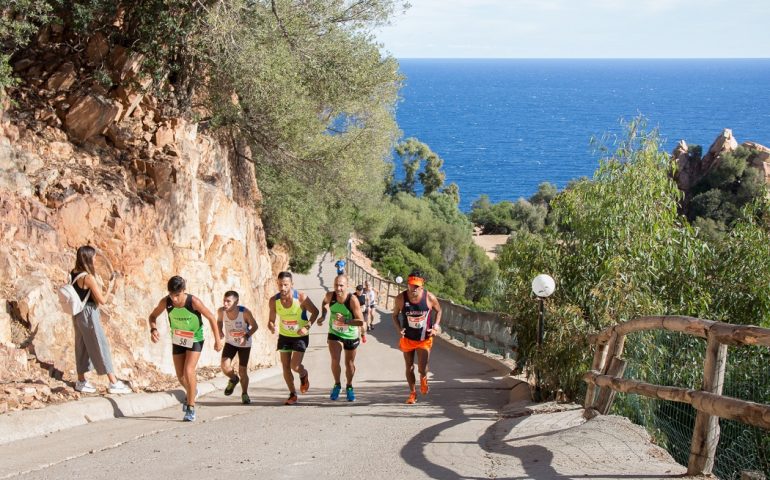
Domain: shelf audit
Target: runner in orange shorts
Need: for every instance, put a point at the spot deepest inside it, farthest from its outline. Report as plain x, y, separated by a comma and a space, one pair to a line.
417, 316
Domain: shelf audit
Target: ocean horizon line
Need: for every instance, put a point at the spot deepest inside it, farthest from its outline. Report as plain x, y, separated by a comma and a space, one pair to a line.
584, 58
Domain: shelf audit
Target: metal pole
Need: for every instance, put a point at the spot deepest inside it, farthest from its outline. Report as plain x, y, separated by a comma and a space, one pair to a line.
541, 323
540, 335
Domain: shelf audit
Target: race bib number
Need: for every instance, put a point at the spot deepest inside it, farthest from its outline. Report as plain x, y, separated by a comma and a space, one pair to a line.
290, 325
340, 325
183, 338
416, 323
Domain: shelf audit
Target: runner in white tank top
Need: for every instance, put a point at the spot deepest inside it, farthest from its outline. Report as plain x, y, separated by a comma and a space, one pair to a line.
237, 325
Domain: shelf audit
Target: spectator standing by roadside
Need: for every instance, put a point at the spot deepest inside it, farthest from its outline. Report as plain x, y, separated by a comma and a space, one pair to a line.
91, 347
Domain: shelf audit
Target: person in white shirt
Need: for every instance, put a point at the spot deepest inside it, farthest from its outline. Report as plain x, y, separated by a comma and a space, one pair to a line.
236, 325
371, 302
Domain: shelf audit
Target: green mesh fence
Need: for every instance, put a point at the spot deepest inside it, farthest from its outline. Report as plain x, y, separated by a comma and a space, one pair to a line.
676, 359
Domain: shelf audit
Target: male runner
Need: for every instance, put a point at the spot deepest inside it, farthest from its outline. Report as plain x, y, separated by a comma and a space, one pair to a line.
290, 307
344, 329
416, 315
237, 325
186, 328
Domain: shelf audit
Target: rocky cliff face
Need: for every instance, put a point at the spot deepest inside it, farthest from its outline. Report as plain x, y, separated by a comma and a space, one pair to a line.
155, 195
691, 169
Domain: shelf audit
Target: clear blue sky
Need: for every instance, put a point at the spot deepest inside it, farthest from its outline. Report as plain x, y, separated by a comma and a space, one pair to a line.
580, 29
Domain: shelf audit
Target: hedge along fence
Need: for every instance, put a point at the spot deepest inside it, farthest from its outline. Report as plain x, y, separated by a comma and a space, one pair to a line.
606, 378
488, 331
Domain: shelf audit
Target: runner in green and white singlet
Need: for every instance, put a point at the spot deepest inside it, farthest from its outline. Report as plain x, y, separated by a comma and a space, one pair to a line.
186, 329
344, 331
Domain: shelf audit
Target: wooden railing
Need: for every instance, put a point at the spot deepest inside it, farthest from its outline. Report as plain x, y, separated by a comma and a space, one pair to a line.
491, 331
606, 378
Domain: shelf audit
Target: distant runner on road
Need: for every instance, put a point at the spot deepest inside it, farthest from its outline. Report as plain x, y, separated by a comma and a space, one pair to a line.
345, 324
340, 266
416, 315
236, 325
371, 303
184, 315
290, 307
362, 302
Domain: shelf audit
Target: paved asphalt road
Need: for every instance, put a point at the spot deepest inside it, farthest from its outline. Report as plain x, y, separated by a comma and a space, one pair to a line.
456, 431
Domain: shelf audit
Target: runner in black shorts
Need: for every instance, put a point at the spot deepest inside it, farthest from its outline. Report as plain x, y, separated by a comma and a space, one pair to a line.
237, 325
290, 307
186, 329
345, 322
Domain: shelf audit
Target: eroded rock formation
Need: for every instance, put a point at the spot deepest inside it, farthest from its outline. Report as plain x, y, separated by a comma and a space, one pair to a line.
155, 195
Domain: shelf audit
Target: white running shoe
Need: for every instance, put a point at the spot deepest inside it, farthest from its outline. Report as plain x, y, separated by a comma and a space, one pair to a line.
118, 387
84, 387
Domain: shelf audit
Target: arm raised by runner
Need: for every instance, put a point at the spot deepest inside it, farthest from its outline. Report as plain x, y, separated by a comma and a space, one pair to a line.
355, 309
308, 305
324, 307
399, 305
220, 322
271, 315
436, 306
199, 306
154, 335
253, 326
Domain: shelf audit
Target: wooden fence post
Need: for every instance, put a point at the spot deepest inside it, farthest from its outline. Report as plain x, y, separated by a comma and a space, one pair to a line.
598, 365
705, 435
606, 395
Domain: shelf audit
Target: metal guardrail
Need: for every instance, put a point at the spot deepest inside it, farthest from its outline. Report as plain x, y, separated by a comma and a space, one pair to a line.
487, 331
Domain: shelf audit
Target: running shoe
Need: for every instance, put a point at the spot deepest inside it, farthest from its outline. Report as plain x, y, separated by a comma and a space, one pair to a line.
412, 398
363, 338
291, 400
304, 385
189, 415
424, 389
84, 387
350, 394
184, 402
245, 399
231, 385
118, 387
335, 392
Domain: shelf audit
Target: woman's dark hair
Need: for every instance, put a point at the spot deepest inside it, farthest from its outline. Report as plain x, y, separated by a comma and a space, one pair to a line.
283, 275
233, 294
176, 284
84, 259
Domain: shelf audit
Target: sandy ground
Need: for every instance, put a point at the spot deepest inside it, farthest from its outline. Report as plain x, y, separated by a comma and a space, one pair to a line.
490, 243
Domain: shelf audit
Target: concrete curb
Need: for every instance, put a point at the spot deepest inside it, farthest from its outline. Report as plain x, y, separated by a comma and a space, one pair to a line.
32, 423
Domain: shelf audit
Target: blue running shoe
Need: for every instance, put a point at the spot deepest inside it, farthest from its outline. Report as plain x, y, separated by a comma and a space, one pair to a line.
184, 402
189, 415
349, 392
335, 392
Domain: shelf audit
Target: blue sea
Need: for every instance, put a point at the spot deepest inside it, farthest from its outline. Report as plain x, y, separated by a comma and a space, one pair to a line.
504, 126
